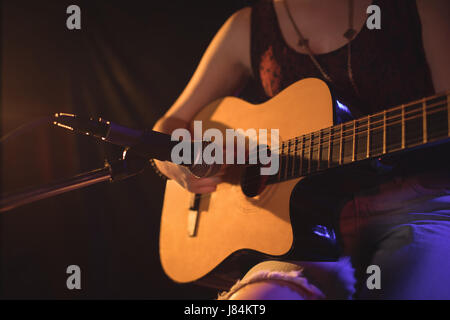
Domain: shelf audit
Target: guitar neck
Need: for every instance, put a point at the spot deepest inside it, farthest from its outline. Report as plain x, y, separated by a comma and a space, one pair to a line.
392, 130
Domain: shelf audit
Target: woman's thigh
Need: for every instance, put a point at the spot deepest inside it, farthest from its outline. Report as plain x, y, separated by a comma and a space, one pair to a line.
276, 280
413, 259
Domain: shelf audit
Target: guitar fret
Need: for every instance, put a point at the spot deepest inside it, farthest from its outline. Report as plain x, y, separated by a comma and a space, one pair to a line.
324, 149
315, 151
448, 113
310, 153
348, 142
335, 146
413, 124
304, 159
424, 121
340, 144
280, 170
286, 160
300, 155
300, 158
393, 130
354, 142
376, 135
384, 132
361, 138
368, 137
436, 118
294, 158
319, 156
403, 127
329, 148
291, 158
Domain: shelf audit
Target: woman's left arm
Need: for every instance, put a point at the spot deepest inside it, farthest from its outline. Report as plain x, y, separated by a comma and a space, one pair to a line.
435, 19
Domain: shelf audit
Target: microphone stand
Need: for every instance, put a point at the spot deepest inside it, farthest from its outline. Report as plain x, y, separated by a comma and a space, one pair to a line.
141, 145
128, 166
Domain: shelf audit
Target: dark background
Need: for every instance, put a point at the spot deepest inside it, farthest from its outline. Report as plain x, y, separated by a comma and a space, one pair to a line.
128, 64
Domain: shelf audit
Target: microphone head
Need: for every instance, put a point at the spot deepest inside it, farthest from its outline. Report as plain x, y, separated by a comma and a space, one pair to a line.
89, 126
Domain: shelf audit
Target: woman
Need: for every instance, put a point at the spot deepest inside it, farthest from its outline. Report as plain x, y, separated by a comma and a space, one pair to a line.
280, 42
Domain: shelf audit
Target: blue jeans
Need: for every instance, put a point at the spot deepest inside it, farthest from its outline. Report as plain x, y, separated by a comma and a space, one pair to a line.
411, 245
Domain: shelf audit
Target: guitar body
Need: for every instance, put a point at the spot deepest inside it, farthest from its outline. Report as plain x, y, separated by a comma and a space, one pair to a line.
326, 155
228, 221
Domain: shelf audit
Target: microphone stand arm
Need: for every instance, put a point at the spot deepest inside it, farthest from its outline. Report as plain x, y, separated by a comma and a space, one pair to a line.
128, 166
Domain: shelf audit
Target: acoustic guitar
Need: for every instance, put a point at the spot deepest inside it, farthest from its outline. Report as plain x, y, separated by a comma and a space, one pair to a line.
249, 213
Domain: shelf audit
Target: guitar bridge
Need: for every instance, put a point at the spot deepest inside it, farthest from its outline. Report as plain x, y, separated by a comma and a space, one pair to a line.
193, 215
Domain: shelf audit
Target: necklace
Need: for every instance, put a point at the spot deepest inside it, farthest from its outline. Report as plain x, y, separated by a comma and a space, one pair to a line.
349, 35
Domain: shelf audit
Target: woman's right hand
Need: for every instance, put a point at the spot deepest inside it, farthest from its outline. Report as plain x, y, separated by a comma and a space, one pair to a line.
186, 179
178, 173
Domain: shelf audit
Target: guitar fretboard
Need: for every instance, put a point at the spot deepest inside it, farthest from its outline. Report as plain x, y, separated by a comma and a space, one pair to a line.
392, 130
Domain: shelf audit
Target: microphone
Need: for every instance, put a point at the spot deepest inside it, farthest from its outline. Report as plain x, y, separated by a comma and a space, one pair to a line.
147, 143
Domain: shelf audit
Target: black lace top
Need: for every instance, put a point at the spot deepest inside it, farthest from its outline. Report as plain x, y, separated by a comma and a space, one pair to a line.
389, 65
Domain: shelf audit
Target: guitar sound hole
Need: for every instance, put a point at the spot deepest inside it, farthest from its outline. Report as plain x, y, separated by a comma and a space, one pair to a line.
252, 182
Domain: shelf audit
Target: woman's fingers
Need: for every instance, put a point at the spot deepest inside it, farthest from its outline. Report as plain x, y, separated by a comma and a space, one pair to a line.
207, 189
206, 181
192, 183
204, 185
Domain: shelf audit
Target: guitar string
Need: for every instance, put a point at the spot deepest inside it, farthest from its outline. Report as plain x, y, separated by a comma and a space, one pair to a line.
337, 135
404, 106
307, 143
364, 125
253, 178
323, 139
376, 115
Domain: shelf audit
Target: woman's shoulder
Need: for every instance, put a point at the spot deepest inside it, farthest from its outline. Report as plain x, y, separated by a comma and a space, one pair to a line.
241, 18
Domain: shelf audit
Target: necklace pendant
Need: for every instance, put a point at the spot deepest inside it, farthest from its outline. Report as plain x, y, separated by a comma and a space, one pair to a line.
303, 42
350, 33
